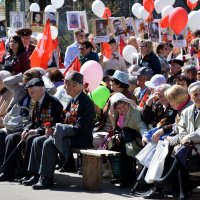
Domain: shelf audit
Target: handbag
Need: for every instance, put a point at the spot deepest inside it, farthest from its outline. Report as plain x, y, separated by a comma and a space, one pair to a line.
146, 154
16, 119
194, 161
156, 166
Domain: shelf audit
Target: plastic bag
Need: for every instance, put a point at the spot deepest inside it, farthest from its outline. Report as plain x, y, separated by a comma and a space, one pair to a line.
146, 154
156, 166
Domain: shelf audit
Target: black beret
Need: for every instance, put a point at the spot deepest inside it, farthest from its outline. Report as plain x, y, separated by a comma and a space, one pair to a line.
24, 32
34, 82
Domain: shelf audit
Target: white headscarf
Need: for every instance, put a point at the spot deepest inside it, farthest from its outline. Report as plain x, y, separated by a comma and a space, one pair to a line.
119, 97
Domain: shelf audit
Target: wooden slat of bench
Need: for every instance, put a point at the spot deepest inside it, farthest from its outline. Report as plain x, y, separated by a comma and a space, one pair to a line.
100, 153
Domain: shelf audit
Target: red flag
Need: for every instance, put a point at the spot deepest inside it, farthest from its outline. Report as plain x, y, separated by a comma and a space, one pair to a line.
43, 50
121, 45
2, 49
105, 50
74, 66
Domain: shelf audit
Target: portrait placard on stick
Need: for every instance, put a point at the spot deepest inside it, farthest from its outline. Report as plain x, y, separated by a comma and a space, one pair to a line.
83, 21
3, 30
73, 20
17, 21
117, 26
37, 21
53, 18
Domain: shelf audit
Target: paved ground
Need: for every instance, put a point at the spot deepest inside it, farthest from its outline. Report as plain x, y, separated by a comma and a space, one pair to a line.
68, 187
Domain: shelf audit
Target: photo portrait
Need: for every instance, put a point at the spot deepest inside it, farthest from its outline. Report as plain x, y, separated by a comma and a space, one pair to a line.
2, 29
131, 27
73, 20
37, 22
83, 21
118, 26
17, 21
142, 28
53, 18
154, 31
100, 27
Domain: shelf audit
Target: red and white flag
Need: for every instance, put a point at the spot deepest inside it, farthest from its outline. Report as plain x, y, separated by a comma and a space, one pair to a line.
74, 66
2, 49
43, 50
122, 44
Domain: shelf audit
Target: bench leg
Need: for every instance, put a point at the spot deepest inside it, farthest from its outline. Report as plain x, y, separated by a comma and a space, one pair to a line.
92, 172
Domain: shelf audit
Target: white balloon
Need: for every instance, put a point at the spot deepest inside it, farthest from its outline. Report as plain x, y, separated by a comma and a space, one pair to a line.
34, 7
57, 3
135, 10
193, 23
167, 10
39, 36
49, 8
160, 4
98, 8
54, 32
10, 34
193, 1
144, 13
129, 53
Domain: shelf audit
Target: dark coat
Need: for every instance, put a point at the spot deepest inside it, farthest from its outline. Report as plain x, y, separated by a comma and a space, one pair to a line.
31, 48
152, 61
50, 111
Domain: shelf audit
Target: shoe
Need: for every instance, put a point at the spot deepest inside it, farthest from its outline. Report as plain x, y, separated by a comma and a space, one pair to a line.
21, 180
43, 183
5, 177
33, 180
151, 194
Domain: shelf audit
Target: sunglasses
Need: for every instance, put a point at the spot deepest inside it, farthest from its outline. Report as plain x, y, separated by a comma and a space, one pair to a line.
82, 48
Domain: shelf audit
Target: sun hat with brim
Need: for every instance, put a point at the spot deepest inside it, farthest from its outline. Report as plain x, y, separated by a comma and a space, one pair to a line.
193, 85
156, 81
121, 76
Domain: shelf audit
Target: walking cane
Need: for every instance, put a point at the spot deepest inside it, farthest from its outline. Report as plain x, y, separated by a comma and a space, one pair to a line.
12, 153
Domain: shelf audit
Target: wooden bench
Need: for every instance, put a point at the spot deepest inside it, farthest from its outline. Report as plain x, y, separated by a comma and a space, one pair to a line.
92, 167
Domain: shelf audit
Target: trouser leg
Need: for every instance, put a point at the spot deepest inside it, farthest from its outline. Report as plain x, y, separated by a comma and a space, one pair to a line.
2, 146
28, 145
48, 160
10, 144
36, 154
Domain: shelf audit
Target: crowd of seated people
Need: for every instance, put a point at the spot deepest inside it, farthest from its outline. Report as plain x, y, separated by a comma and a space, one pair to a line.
56, 113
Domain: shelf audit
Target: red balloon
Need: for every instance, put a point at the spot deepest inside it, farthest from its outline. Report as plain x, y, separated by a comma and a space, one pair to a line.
164, 22
107, 13
148, 5
178, 19
191, 5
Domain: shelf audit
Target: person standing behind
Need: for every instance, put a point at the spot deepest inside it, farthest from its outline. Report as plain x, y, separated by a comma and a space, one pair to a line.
86, 52
16, 59
116, 61
72, 50
149, 58
25, 35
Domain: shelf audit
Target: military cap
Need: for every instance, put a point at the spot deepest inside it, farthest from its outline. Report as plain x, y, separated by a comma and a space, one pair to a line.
24, 32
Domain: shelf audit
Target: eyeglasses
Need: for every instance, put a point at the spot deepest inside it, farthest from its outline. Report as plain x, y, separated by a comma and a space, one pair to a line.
82, 48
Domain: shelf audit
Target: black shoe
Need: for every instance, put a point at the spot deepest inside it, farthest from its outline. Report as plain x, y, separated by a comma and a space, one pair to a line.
33, 180
43, 183
151, 194
126, 184
5, 177
21, 180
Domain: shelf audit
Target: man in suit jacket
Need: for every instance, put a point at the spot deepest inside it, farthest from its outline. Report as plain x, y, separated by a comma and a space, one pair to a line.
45, 109
76, 132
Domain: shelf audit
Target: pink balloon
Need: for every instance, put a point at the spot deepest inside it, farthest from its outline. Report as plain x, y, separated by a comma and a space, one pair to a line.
92, 74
